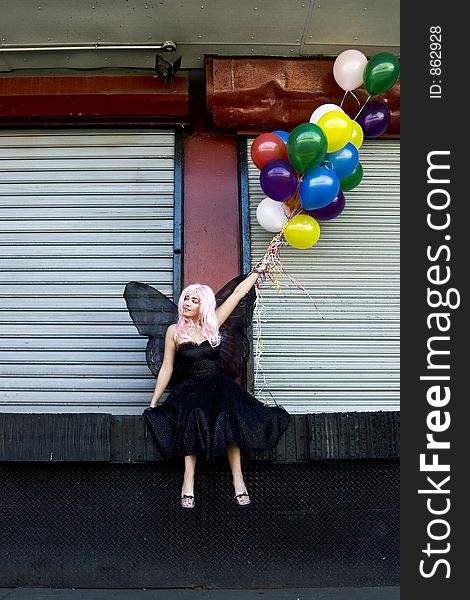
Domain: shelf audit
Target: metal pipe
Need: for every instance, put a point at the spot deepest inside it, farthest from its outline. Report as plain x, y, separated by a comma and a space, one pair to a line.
166, 46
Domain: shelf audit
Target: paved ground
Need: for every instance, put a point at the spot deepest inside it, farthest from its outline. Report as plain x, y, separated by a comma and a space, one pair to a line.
382, 593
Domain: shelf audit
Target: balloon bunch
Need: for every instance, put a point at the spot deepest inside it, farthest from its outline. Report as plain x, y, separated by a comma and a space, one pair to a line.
378, 74
304, 174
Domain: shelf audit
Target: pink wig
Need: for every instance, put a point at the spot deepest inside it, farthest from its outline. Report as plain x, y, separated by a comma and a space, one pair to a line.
206, 318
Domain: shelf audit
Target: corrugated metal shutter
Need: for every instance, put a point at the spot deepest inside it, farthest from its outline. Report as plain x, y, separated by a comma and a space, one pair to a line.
349, 359
81, 214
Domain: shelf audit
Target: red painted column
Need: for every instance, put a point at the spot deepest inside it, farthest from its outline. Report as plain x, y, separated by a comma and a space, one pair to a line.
211, 220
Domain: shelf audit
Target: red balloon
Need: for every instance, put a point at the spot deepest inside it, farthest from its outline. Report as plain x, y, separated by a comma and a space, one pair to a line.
267, 147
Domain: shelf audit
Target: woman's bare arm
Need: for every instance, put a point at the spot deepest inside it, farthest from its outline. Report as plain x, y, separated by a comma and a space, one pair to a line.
226, 309
166, 370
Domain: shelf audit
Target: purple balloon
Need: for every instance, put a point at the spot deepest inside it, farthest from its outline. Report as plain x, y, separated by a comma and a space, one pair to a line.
278, 180
331, 210
374, 119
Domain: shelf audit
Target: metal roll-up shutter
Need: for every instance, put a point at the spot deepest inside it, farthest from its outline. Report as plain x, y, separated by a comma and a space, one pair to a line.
81, 214
345, 355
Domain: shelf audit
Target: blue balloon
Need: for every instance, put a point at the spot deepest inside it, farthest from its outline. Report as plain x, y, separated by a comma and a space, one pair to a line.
282, 134
343, 161
318, 187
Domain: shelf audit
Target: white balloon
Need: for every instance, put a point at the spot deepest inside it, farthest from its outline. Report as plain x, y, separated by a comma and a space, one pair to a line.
321, 110
348, 69
271, 215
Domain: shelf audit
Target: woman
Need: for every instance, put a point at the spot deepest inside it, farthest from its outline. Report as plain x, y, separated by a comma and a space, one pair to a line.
207, 413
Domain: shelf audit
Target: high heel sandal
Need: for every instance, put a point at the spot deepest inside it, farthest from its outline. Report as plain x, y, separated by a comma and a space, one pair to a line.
238, 498
190, 504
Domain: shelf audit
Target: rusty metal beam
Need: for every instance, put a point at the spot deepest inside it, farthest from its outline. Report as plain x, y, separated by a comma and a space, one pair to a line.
81, 99
253, 95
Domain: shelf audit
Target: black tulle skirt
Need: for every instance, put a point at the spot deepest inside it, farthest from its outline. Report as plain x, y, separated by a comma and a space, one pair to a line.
205, 414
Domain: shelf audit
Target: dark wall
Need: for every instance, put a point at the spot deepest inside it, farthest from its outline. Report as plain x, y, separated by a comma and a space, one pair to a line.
87, 501
97, 437
323, 523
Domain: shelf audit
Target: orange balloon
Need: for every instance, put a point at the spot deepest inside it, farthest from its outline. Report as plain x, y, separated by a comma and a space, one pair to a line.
293, 203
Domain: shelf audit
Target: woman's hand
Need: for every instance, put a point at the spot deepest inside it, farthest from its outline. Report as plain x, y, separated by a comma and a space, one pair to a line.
271, 256
262, 266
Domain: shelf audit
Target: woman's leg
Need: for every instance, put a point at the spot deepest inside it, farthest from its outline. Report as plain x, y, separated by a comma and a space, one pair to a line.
188, 480
234, 459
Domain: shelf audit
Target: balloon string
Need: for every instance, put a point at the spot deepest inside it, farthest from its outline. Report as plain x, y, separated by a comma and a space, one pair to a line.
259, 313
286, 210
297, 211
357, 99
344, 97
362, 107
299, 181
274, 263
258, 346
299, 286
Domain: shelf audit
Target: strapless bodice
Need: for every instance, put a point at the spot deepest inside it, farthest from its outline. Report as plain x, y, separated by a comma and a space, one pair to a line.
198, 359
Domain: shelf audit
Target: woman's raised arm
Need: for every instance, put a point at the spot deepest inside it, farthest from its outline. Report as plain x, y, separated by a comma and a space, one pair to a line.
224, 311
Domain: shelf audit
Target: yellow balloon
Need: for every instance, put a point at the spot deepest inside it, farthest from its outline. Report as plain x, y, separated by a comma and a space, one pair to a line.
357, 136
337, 127
302, 231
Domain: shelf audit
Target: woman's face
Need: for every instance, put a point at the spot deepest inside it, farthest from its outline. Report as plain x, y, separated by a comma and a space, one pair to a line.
191, 305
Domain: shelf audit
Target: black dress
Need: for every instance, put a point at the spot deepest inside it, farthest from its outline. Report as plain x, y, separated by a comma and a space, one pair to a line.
208, 411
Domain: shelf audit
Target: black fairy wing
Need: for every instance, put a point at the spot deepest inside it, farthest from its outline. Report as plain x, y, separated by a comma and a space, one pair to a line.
235, 345
152, 312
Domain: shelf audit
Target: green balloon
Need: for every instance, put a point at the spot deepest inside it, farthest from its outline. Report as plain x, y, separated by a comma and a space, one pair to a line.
353, 180
306, 147
381, 72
